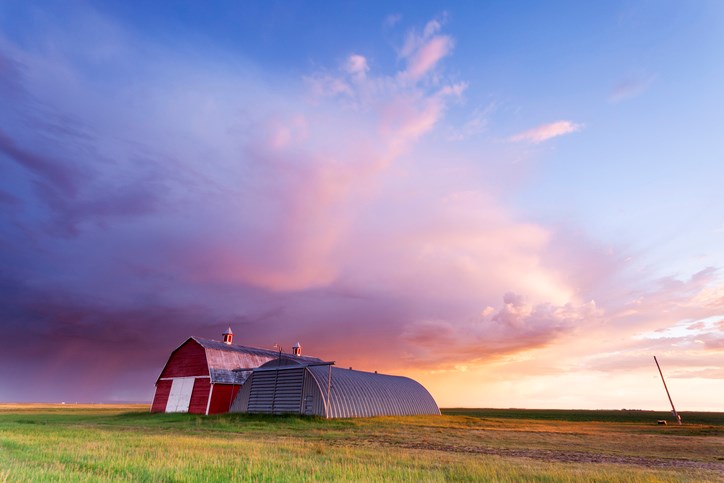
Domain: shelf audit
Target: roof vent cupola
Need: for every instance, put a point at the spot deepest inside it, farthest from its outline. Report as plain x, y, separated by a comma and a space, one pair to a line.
297, 349
228, 336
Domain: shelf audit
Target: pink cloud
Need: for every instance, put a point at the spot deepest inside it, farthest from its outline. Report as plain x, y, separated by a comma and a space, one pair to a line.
357, 65
432, 27
333, 220
516, 327
547, 131
414, 40
455, 90
426, 57
325, 85
423, 51
403, 120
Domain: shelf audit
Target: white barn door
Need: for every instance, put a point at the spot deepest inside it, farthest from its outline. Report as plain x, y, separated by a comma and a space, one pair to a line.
180, 395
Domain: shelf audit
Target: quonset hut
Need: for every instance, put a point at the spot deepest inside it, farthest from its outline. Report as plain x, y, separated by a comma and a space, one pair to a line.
210, 377
294, 386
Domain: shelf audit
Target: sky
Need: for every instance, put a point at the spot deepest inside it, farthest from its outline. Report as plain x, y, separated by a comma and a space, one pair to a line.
518, 204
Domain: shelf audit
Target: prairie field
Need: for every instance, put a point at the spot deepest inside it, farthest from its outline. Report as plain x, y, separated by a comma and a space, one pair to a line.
125, 442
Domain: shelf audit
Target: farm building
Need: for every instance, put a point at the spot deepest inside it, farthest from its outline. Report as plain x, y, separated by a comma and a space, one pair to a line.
294, 386
202, 376
210, 377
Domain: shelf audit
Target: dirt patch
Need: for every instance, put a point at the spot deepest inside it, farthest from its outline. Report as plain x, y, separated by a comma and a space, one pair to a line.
558, 456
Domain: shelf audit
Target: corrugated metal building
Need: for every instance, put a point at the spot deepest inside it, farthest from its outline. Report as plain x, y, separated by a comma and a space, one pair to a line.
203, 376
293, 386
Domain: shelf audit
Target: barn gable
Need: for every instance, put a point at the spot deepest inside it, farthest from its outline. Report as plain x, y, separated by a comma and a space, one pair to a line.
189, 359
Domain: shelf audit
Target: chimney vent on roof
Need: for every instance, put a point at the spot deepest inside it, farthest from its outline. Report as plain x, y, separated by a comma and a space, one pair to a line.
297, 349
228, 336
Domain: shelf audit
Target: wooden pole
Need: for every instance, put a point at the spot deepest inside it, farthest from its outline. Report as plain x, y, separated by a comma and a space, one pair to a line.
673, 409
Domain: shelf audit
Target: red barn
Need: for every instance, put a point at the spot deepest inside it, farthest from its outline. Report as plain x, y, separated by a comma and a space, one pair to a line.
203, 376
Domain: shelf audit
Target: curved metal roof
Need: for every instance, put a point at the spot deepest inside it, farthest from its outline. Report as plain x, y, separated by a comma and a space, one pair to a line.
364, 394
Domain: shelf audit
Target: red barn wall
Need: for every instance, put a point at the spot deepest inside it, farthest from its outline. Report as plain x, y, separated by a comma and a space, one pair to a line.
187, 360
163, 388
222, 397
200, 396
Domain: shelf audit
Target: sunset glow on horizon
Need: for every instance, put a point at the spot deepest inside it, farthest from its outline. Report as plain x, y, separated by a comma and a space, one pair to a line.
516, 205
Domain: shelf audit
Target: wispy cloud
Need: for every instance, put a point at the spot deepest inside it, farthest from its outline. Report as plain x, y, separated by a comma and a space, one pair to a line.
630, 88
547, 131
476, 123
392, 19
357, 66
55, 172
424, 50
427, 56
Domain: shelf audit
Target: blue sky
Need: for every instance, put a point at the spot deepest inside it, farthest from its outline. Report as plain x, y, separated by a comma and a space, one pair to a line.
516, 197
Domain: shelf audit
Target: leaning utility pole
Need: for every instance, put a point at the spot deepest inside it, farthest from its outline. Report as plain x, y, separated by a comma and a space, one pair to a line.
673, 409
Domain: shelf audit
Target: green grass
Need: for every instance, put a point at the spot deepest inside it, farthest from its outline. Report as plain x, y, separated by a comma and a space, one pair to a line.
94, 443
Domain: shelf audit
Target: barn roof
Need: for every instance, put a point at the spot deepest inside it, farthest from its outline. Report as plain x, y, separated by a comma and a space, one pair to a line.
363, 394
232, 363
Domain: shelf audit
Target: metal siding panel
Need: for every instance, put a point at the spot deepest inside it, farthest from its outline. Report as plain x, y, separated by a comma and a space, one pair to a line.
276, 391
311, 396
359, 400
261, 395
318, 389
361, 394
288, 391
241, 401
224, 365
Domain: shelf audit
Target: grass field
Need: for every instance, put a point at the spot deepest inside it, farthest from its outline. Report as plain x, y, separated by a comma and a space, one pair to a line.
93, 443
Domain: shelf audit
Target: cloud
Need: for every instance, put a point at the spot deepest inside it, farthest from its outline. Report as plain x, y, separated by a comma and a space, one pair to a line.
303, 181
77, 342
547, 131
11, 73
630, 88
668, 319
392, 19
357, 66
427, 56
423, 51
54, 172
476, 123
263, 197
190, 193
517, 326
